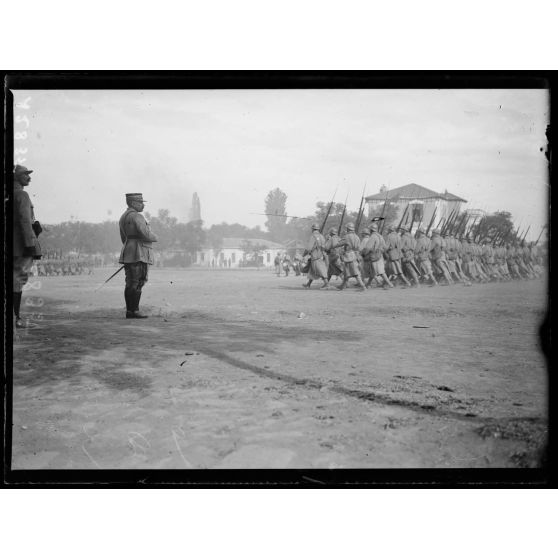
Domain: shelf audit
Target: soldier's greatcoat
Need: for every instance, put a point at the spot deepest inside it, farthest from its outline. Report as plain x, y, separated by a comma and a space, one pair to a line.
24, 235
315, 248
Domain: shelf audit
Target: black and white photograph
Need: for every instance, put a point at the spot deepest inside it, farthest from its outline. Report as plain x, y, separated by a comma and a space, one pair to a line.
285, 275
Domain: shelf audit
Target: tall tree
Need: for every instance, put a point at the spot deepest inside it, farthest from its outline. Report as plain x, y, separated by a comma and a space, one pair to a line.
276, 208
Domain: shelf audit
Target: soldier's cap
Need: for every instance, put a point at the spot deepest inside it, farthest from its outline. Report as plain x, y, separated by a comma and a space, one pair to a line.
421, 230
135, 197
436, 231
332, 230
391, 228
366, 230
20, 169
315, 227
403, 229
373, 227
350, 226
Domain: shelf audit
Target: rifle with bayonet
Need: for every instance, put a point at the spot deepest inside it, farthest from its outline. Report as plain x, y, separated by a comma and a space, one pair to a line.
360, 210
403, 217
543, 227
327, 214
431, 221
382, 216
343, 216
525, 235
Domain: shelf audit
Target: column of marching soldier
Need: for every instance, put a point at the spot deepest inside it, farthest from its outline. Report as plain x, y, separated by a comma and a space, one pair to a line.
444, 258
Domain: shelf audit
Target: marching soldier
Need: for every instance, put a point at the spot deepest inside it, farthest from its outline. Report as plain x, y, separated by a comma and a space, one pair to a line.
408, 255
373, 251
438, 254
393, 250
315, 250
136, 253
335, 265
364, 265
351, 244
26, 231
422, 253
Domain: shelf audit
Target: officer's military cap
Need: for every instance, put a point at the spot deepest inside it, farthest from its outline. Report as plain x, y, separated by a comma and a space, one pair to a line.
135, 197
20, 169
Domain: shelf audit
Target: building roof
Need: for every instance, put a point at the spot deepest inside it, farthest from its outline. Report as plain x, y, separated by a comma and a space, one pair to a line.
412, 192
452, 197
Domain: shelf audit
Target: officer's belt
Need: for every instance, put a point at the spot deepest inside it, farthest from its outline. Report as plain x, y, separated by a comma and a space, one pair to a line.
132, 237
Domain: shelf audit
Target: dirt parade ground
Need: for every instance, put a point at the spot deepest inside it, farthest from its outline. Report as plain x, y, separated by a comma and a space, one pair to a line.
244, 369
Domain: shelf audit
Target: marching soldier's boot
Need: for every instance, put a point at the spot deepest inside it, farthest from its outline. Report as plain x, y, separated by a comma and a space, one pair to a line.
307, 285
326, 284
405, 280
387, 281
360, 283
343, 285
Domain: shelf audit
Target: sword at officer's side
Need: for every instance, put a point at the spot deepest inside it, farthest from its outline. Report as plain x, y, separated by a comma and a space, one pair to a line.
115, 273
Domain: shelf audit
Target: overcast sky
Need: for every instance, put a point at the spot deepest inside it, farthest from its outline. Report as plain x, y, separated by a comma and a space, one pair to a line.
88, 148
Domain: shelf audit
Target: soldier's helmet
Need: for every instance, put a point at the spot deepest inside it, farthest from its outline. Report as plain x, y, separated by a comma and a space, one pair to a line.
421, 230
350, 227
332, 230
366, 231
391, 228
315, 227
436, 231
374, 227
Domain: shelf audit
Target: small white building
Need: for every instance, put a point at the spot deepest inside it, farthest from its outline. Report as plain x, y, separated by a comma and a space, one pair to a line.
240, 252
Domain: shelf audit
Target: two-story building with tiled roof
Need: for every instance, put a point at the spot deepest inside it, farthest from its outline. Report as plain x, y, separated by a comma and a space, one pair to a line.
422, 203
238, 252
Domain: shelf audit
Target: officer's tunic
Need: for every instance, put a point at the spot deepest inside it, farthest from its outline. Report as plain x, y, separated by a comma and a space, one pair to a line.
137, 252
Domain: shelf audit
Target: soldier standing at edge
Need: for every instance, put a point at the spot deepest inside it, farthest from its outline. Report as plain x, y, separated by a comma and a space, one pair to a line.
26, 231
136, 252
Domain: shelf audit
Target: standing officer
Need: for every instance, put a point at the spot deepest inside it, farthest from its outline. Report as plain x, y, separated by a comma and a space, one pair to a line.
136, 252
26, 231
